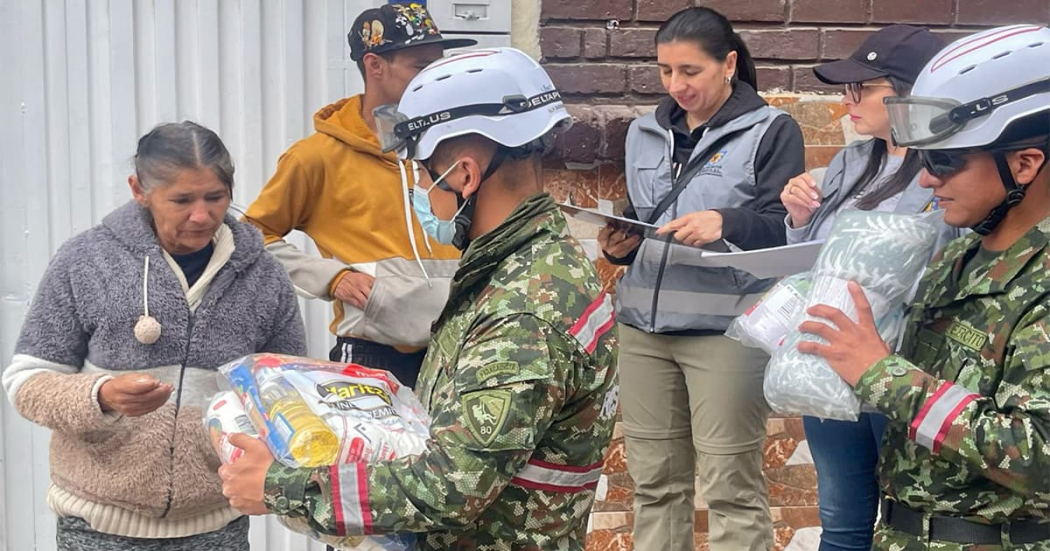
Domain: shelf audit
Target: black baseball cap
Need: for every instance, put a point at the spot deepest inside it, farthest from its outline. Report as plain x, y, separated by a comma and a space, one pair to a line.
898, 51
394, 27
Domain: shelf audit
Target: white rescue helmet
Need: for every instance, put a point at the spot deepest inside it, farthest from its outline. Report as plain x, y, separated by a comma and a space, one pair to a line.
499, 93
971, 91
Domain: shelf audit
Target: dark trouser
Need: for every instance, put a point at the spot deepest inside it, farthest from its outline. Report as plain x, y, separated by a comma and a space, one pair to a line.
75, 534
379, 356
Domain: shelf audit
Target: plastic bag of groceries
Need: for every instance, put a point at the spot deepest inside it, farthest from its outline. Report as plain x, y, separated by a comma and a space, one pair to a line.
313, 413
766, 324
885, 253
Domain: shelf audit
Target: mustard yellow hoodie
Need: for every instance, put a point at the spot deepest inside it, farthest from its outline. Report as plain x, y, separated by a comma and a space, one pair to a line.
354, 202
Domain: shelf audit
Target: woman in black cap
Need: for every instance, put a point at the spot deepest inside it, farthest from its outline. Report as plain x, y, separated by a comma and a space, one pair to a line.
875, 175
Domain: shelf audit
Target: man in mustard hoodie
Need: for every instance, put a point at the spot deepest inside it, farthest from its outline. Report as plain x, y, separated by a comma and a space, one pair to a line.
386, 279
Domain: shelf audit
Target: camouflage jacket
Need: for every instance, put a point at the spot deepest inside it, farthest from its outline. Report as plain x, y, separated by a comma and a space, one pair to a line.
970, 390
520, 382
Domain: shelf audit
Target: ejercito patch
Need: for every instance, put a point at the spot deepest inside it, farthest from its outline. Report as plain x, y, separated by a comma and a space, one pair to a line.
967, 336
486, 411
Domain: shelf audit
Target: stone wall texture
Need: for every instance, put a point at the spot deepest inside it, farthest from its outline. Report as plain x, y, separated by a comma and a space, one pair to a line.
600, 54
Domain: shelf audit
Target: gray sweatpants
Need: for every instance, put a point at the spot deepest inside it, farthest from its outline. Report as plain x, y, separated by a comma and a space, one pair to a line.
75, 534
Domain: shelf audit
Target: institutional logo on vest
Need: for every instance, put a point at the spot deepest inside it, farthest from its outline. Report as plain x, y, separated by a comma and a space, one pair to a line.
714, 165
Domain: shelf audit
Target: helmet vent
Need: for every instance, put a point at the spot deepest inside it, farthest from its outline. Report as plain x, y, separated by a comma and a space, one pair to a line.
417, 88
1036, 45
475, 70
967, 70
443, 77
1002, 55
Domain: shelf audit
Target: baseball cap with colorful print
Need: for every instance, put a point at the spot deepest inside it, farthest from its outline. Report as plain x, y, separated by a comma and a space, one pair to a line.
394, 27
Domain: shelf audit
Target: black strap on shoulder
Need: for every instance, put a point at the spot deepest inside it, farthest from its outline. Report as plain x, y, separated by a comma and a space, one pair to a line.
686, 176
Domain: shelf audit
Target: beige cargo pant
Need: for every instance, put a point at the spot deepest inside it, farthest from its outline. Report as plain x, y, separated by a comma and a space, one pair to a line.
694, 404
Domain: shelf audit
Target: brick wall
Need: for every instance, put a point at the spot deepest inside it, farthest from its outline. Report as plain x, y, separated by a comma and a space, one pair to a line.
600, 52
600, 55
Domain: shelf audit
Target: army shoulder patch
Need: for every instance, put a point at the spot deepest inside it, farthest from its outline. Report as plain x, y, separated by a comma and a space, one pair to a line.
485, 412
498, 368
967, 336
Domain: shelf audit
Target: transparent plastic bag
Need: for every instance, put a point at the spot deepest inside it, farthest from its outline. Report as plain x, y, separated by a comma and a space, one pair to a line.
885, 253
314, 413
225, 417
766, 324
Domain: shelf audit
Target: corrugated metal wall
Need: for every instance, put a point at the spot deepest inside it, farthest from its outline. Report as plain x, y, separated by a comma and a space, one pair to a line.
81, 81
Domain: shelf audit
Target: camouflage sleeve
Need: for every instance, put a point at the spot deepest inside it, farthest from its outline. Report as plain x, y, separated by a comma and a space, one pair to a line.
301, 493
510, 381
1005, 436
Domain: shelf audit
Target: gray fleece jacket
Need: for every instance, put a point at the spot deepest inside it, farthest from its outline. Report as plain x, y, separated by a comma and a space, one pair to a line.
154, 475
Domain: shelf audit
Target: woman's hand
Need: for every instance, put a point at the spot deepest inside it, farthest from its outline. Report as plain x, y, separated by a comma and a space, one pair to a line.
618, 243
133, 394
854, 346
696, 228
801, 197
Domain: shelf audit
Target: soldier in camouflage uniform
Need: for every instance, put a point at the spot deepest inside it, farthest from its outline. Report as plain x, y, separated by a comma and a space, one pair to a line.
966, 456
520, 376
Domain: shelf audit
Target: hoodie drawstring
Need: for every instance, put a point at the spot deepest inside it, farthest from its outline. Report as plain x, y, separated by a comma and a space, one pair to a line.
408, 219
415, 178
147, 328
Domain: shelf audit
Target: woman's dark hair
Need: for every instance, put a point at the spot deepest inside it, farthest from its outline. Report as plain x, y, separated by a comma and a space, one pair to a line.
176, 146
900, 180
714, 34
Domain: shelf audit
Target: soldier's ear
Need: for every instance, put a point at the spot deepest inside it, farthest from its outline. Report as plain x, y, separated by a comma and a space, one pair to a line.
1027, 164
472, 178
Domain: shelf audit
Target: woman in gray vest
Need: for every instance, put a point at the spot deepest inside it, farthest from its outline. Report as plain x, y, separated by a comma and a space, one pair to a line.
873, 175
708, 167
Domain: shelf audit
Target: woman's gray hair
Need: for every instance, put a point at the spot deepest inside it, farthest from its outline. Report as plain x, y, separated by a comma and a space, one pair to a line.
176, 146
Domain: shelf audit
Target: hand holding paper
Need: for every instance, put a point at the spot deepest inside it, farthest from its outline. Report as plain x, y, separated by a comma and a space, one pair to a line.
618, 241
696, 228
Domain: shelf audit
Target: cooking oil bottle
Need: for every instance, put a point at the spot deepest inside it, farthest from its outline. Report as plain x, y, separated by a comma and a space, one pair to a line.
310, 442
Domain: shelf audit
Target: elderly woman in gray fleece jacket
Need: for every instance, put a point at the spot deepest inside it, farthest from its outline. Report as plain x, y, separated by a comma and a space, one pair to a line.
119, 350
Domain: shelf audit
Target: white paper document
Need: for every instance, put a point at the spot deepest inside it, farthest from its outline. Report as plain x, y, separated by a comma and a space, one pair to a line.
601, 219
762, 263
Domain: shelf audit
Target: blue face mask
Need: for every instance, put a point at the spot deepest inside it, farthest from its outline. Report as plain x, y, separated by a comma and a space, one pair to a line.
444, 231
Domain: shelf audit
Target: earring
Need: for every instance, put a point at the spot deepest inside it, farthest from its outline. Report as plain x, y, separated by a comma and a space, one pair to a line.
729, 79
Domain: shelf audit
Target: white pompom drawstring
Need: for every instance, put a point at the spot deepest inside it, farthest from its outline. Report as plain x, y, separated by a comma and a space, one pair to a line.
147, 329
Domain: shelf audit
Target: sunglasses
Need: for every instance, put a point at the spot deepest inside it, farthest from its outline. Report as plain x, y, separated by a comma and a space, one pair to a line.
941, 163
855, 90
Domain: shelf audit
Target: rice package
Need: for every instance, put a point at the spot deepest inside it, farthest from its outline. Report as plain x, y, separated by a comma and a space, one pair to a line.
314, 413
766, 324
885, 253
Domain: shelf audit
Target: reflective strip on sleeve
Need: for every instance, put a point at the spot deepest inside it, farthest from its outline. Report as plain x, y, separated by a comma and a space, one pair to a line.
549, 477
350, 499
935, 418
597, 320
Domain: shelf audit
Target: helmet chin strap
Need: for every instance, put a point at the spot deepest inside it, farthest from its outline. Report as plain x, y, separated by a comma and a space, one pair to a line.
1014, 196
463, 220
